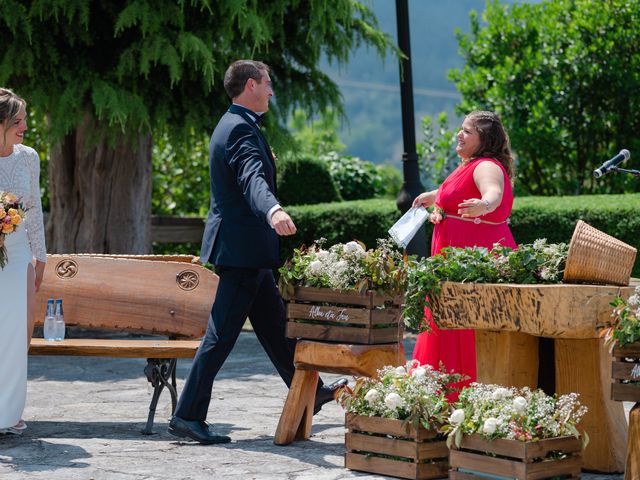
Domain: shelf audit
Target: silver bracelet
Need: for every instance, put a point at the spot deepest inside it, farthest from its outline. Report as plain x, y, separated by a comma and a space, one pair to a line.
486, 204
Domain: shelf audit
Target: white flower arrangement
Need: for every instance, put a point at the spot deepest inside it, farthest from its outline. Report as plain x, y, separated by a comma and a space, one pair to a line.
346, 266
494, 411
412, 392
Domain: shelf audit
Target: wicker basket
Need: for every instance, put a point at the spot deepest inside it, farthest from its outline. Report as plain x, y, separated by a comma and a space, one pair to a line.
596, 257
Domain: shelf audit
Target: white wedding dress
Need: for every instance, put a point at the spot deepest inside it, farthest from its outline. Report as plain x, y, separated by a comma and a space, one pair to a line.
20, 175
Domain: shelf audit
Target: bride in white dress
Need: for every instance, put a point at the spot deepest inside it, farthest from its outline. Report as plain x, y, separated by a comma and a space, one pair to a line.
19, 279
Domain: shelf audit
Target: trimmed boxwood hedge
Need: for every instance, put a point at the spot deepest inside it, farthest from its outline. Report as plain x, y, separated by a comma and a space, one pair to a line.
553, 218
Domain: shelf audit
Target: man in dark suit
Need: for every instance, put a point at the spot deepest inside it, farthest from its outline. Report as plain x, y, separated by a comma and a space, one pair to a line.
241, 239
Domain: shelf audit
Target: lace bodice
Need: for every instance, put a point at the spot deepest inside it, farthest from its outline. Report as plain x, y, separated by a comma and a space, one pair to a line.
20, 175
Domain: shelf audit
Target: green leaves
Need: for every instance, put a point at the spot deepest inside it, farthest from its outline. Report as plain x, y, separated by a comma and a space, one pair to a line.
565, 77
530, 263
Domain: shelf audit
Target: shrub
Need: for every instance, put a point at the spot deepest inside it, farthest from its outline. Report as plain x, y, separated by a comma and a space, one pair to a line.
390, 181
305, 181
364, 220
357, 179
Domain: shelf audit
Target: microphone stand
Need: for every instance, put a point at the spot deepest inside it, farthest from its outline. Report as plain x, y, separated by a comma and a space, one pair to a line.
635, 173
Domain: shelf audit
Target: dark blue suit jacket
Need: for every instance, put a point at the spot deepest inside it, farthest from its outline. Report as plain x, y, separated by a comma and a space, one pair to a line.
243, 187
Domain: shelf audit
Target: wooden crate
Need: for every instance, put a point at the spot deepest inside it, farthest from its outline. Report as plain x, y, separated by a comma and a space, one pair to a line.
477, 457
625, 373
343, 316
395, 448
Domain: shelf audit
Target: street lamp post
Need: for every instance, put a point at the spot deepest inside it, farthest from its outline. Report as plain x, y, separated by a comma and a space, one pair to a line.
411, 187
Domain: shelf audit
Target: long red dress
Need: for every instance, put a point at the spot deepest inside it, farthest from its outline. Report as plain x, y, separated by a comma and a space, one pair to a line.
456, 348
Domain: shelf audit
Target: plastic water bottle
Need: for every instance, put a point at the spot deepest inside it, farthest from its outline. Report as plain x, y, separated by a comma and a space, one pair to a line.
59, 322
50, 321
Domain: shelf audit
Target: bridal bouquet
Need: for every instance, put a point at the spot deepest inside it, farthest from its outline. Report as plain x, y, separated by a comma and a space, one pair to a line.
493, 411
348, 266
11, 215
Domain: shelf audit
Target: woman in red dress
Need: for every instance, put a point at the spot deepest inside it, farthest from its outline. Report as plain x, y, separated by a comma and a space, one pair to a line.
476, 199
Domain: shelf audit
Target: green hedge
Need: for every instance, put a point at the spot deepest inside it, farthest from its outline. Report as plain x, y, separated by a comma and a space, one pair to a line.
553, 218
364, 220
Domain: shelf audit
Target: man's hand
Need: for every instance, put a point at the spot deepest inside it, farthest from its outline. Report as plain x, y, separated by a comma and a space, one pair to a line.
282, 223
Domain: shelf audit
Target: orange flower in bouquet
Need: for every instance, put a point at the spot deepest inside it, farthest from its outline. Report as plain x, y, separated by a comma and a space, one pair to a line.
11, 215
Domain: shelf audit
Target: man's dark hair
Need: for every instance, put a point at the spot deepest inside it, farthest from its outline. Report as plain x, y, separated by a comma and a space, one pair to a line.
236, 76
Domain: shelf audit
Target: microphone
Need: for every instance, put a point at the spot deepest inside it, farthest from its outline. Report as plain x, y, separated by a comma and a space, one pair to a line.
612, 163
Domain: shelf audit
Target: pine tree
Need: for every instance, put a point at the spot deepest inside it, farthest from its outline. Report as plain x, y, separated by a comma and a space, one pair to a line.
108, 73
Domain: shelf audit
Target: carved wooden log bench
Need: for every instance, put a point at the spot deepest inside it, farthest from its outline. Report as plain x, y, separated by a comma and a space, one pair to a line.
159, 295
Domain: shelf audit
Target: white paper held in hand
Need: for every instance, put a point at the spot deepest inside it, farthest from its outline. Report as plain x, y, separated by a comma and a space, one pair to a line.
405, 229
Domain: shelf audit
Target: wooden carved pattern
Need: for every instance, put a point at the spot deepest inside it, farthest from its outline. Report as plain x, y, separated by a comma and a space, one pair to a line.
66, 269
187, 279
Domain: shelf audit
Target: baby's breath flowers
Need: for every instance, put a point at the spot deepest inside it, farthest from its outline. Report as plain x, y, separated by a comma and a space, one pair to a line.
413, 392
346, 266
522, 414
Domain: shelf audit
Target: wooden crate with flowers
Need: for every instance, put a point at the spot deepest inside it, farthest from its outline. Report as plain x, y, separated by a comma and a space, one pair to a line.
345, 293
624, 339
514, 433
392, 422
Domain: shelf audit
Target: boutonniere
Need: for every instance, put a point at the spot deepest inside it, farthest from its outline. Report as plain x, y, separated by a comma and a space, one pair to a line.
273, 154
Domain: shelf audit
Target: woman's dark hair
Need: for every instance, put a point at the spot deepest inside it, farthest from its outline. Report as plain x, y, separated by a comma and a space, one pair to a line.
494, 140
236, 76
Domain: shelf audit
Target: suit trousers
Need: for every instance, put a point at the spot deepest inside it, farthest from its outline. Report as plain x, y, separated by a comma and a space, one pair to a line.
241, 292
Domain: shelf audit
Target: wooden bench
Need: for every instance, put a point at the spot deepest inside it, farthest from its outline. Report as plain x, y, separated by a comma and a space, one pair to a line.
159, 295
312, 357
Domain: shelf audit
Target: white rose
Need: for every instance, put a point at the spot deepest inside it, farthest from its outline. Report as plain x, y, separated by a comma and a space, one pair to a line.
633, 300
419, 372
490, 425
372, 395
315, 266
500, 393
400, 371
322, 254
520, 404
457, 417
393, 401
354, 247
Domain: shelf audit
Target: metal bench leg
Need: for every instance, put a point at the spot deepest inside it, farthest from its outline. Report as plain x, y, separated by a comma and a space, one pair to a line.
161, 373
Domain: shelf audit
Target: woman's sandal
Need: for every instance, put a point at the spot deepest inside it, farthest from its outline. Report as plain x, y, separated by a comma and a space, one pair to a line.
17, 429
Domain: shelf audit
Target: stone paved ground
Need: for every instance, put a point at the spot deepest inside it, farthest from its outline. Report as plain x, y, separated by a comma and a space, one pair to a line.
85, 415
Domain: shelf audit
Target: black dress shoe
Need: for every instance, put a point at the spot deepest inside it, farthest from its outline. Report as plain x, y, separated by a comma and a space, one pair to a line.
196, 430
326, 393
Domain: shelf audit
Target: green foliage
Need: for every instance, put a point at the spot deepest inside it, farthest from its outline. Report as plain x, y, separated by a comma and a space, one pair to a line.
357, 179
565, 77
318, 137
180, 175
626, 323
530, 263
437, 150
143, 64
390, 181
305, 181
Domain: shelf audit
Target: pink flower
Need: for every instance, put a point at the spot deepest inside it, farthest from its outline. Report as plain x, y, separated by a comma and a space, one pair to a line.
7, 219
